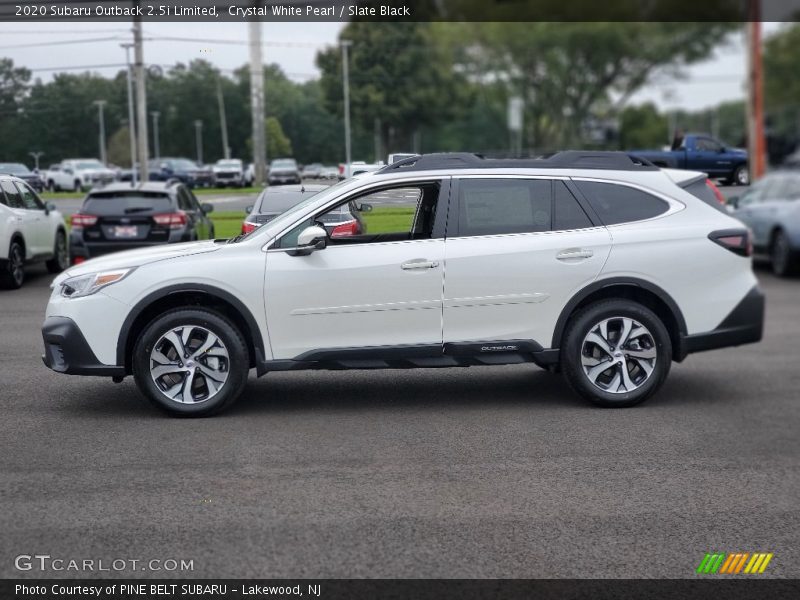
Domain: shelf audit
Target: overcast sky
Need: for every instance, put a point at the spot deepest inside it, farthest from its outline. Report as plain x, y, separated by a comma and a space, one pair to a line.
293, 46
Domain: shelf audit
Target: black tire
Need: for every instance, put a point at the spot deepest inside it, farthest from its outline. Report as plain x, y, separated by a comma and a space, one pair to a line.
12, 273
60, 260
238, 362
572, 352
741, 175
784, 261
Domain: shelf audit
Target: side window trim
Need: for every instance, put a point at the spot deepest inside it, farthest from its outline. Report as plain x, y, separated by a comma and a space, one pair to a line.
584, 203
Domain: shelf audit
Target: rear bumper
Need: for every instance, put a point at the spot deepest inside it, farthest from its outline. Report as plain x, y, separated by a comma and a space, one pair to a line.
744, 325
67, 351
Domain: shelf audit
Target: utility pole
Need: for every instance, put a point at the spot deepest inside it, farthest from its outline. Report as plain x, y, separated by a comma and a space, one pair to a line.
223, 122
156, 146
346, 84
36, 156
141, 98
131, 121
756, 145
257, 104
198, 140
100, 105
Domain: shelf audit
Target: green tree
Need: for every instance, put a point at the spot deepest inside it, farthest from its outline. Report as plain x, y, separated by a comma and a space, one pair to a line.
401, 81
564, 70
642, 127
278, 145
119, 147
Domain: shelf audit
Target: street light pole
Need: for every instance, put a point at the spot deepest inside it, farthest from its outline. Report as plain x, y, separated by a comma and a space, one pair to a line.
346, 84
131, 122
100, 105
156, 147
141, 98
36, 156
198, 132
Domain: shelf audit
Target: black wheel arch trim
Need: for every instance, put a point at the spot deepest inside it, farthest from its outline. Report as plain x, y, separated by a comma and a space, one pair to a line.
633, 282
238, 305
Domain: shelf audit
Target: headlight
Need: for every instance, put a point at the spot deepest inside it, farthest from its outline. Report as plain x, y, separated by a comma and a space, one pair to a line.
84, 285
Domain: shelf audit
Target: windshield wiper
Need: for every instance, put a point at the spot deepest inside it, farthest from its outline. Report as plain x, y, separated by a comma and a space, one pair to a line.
235, 239
135, 209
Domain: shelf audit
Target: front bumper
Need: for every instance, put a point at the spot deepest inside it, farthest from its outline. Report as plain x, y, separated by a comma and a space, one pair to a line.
744, 325
67, 351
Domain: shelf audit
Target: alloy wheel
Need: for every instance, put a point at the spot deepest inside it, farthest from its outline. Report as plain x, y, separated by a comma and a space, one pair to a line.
17, 265
61, 251
189, 364
618, 355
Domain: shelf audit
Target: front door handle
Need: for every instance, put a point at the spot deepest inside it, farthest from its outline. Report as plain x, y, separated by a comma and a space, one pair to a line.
574, 253
419, 263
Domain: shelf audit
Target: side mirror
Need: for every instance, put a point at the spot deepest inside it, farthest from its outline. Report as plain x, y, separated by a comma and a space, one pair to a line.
311, 238
249, 209
365, 207
207, 208
48, 207
733, 201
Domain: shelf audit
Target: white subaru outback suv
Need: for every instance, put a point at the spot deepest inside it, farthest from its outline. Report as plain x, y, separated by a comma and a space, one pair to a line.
30, 231
595, 264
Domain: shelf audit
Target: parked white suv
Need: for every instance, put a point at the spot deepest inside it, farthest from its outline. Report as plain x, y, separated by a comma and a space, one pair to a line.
78, 174
30, 231
593, 264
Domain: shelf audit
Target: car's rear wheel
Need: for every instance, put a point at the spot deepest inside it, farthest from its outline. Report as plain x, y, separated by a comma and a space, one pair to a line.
784, 262
60, 260
13, 271
741, 176
616, 353
191, 362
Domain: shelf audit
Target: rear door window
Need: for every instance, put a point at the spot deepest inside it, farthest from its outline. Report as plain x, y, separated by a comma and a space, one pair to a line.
29, 199
104, 204
502, 206
616, 203
567, 212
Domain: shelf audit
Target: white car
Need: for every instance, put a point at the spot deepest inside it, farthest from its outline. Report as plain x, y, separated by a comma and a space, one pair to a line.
78, 174
30, 231
590, 263
229, 172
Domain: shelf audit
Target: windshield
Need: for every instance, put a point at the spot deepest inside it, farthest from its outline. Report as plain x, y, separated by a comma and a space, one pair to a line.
89, 164
229, 163
13, 168
182, 164
285, 219
277, 202
283, 164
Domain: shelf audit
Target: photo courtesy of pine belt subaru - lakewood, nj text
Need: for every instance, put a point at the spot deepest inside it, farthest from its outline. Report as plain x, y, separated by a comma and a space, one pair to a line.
595, 264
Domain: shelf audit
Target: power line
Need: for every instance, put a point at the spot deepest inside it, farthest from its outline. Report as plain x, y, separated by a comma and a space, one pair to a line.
61, 43
62, 31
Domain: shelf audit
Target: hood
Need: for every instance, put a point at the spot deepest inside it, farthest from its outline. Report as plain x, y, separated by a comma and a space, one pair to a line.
226, 169
139, 257
283, 171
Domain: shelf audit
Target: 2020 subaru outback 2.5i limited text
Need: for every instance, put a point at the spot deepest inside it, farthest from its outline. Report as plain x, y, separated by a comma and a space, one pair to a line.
594, 264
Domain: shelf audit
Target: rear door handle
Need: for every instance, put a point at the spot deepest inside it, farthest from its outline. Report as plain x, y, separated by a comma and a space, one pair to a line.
574, 253
419, 263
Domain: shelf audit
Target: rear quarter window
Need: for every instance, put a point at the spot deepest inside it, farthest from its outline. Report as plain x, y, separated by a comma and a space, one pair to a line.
616, 203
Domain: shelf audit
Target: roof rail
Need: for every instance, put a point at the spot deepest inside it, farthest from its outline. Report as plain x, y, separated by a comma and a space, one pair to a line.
566, 159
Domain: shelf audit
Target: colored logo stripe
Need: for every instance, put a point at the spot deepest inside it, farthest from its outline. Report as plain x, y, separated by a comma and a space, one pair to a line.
734, 563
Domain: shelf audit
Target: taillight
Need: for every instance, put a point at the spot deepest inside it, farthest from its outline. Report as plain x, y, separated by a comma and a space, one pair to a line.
247, 227
79, 220
715, 190
341, 169
78, 260
738, 241
345, 229
176, 220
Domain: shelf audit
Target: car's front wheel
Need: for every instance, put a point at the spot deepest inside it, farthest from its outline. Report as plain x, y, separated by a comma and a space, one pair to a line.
191, 362
782, 257
616, 353
741, 176
60, 260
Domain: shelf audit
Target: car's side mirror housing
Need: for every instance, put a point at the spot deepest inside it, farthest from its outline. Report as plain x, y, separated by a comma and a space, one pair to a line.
48, 207
364, 207
733, 201
249, 209
207, 208
310, 239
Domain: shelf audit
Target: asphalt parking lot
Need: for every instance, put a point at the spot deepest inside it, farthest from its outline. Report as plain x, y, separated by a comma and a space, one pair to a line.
479, 472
